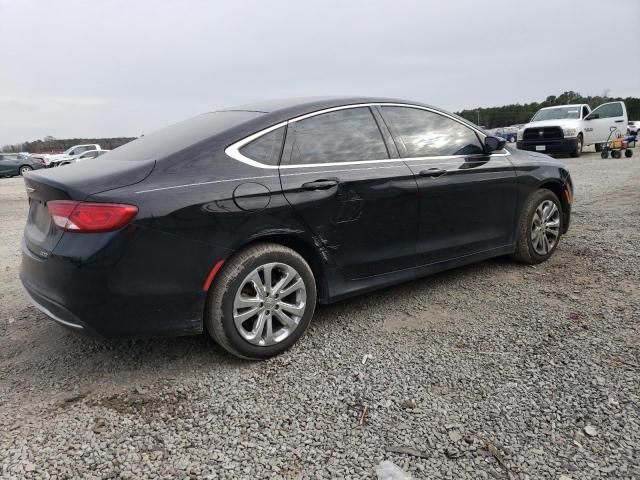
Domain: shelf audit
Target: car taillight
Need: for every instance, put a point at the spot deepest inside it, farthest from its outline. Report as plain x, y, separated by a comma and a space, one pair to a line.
86, 217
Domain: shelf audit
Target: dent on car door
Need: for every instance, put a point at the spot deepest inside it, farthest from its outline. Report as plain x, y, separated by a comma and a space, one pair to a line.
603, 119
467, 198
359, 199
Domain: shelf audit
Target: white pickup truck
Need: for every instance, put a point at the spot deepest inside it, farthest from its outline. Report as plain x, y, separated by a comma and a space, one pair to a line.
69, 155
568, 128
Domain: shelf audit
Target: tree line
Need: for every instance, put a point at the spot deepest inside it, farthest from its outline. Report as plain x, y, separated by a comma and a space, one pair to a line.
489, 117
514, 114
55, 145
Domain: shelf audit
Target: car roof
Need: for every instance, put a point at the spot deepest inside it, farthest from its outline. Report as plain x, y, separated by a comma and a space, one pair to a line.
303, 105
563, 106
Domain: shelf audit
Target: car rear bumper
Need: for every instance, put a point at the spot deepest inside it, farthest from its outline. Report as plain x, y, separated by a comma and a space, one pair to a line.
563, 145
118, 290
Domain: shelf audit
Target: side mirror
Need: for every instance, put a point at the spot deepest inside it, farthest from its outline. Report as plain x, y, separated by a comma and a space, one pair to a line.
491, 144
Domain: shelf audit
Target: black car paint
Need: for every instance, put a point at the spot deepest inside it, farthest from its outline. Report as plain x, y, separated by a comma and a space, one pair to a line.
376, 227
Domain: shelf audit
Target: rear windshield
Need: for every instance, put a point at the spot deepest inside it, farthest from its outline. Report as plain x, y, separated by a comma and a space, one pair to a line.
172, 139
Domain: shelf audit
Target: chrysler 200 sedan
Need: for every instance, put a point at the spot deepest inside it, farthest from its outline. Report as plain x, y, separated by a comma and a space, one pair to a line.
239, 221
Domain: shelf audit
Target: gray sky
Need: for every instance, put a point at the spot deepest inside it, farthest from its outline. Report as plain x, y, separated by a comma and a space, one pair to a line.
121, 68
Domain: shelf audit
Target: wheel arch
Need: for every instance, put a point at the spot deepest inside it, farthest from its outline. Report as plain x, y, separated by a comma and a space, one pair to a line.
314, 255
558, 188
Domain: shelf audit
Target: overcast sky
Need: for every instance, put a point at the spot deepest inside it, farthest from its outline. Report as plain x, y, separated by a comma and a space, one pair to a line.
121, 68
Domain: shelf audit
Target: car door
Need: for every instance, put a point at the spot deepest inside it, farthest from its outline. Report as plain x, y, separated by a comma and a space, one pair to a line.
4, 166
355, 194
9, 164
467, 198
604, 118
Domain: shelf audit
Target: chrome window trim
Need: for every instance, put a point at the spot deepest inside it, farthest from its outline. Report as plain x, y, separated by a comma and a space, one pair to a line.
233, 150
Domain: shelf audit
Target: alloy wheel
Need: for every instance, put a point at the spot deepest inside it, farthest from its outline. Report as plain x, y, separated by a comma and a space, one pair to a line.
545, 227
25, 169
269, 304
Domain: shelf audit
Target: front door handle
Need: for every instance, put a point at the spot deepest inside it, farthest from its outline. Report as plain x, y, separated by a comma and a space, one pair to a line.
619, 121
319, 185
433, 172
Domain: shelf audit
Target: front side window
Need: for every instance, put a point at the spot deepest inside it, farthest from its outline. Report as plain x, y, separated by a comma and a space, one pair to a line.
345, 135
428, 134
265, 149
609, 110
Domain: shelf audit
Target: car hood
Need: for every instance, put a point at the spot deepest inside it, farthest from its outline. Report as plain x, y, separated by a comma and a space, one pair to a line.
565, 123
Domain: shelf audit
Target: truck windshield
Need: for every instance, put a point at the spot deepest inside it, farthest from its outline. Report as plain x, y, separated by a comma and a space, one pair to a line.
558, 113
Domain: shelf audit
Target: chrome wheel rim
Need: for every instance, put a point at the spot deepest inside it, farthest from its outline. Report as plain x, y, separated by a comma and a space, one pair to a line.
269, 304
545, 227
24, 170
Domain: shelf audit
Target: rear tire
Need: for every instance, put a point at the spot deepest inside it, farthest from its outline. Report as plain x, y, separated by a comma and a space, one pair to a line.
578, 150
530, 246
237, 293
25, 169
598, 147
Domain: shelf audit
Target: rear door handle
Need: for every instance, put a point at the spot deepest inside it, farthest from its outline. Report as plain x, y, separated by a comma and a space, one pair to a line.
433, 172
319, 185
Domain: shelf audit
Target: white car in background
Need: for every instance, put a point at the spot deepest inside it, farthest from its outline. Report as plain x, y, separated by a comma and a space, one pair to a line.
568, 128
633, 127
69, 155
90, 154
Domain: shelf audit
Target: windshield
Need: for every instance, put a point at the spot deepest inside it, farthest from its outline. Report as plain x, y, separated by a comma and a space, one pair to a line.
174, 138
558, 113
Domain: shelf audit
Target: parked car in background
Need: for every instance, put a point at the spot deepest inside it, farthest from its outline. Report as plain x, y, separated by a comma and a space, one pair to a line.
568, 128
69, 154
89, 154
12, 164
510, 134
237, 222
633, 127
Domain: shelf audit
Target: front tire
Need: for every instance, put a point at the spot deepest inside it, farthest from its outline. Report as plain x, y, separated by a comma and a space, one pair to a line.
539, 228
261, 302
578, 150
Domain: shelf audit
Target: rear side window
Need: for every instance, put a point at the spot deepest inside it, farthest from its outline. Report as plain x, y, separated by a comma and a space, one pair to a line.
428, 134
265, 149
345, 135
609, 110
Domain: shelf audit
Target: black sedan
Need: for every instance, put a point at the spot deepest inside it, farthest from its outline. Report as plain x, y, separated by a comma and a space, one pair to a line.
12, 164
238, 221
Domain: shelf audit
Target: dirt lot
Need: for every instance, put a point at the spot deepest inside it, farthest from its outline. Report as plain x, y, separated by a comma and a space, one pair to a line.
496, 370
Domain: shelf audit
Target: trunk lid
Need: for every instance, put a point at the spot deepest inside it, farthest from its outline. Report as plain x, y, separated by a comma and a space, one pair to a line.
73, 182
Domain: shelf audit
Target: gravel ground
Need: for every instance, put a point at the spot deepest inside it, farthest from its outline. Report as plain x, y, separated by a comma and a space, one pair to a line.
495, 370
